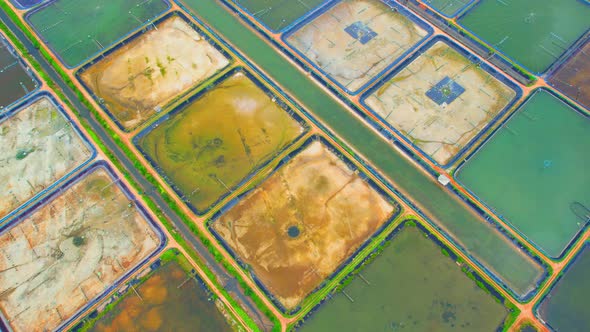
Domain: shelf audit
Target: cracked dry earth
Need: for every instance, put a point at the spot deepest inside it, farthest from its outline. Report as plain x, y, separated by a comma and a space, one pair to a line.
67, 252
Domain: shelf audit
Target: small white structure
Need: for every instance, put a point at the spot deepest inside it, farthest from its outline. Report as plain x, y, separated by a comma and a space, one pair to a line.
443, 179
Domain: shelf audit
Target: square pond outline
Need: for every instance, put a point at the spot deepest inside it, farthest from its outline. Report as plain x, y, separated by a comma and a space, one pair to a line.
10, 48
138, 34
285, 160
578, 235
471, 57
329, 5
452, 254
21, 106
56, 192
194, 97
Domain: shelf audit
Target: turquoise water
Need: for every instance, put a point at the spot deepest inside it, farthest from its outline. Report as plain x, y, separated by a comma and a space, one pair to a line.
566, 308
480, 239
535, 169
278, 14
76, 30
410, 286
532, 32
447, 7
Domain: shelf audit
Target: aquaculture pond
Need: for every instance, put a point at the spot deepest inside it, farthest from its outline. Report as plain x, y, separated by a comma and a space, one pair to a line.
534, 33
76, 30
448, 7
15, 80
566, 306
534, 172
169, 300
573, 77
278, 14
410, 286
215, 140
479, 238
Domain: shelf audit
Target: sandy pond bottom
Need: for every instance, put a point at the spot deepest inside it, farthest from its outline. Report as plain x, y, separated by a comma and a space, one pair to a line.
355, 40
411, 287
468, 99
302, 222
38, 146
68, 251
144, 75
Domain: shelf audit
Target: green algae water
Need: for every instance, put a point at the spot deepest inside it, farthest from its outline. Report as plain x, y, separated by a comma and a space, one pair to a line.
410, 286
208, 146
534, 172
566, 306
76, 30
480, 239
278, 14
532, 32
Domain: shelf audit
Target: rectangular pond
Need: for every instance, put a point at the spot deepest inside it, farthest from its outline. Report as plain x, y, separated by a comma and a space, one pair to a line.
278, 14
409, 286
39, 146
533, 33
219, 137
71, 247
77, 30
16, 79
170, 297
151, 69
301, 223
565, 307
534, 172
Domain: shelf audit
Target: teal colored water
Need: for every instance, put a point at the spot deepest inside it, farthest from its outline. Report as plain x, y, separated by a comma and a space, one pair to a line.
532, 32
76, 30
481, 240
412, 287
567, 307
447, 7
535, 169
278, 14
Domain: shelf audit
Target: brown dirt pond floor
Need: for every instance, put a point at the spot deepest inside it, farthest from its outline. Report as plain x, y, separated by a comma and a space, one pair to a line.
441, 131
67, 252
573, 78
153, 69
349, 62
170, 301
38, 146
301, 223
